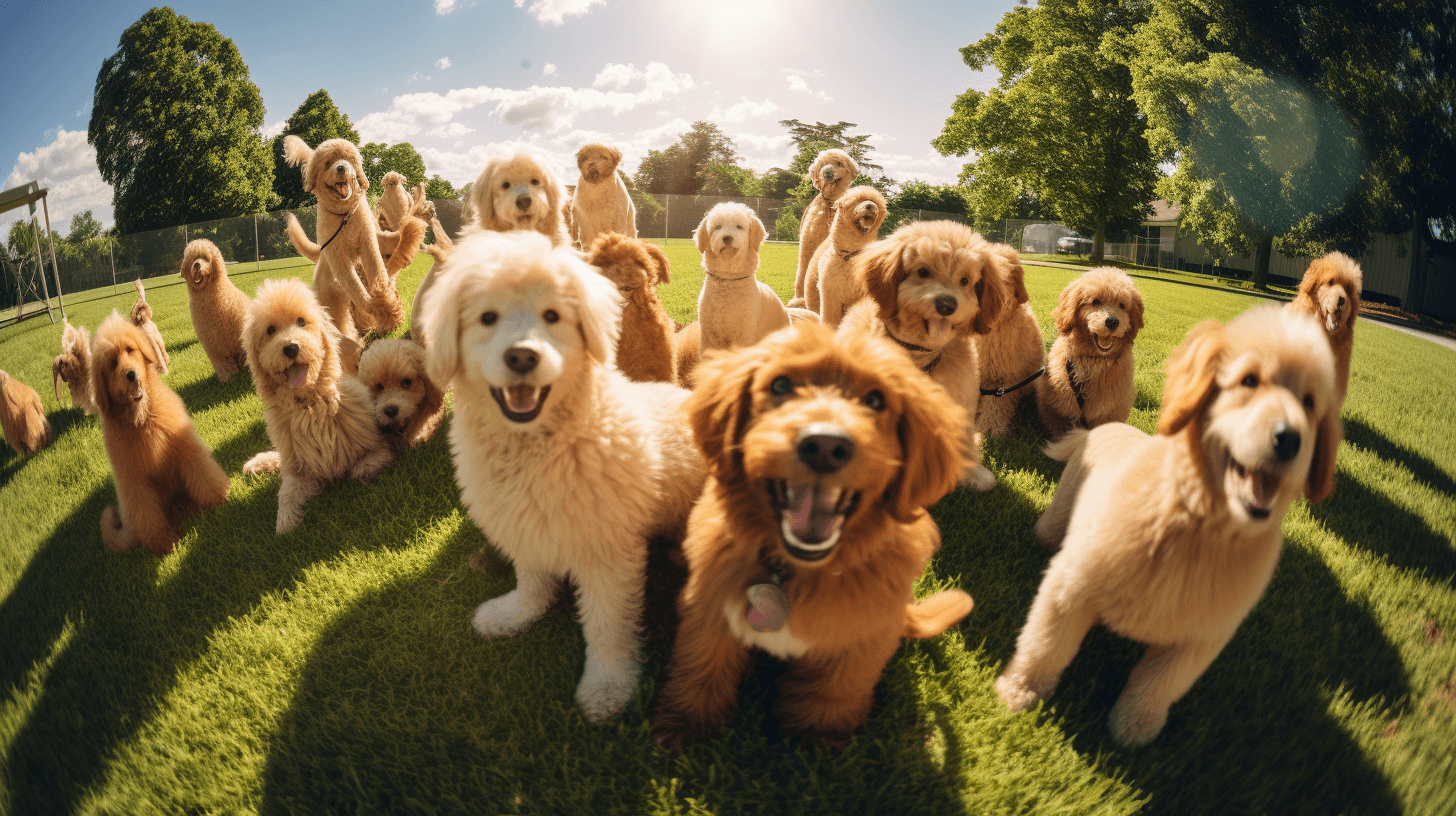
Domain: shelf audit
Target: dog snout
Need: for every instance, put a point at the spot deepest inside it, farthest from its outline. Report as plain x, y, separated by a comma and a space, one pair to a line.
1286, 442
1113, 322
521, 360
946, 305
825, 447
391, 411
131, 376
727, 240
523, 202
290, 351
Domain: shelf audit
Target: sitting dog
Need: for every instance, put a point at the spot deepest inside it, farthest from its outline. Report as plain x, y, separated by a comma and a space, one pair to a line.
22, 416
933, 286
321, 422
519, 192
164, 471
644, 350
823, 453
408, 406
831, 174
1330, 291
141, 317
830, 285
601, 202
1089, 376
218, 307
1013, 356
1171, 539
567, 467
73, 367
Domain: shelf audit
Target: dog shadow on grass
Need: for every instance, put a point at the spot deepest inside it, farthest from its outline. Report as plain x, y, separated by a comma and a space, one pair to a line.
1370, 520
208, 392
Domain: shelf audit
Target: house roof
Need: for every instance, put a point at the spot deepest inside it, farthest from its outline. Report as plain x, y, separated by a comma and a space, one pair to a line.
1164, 212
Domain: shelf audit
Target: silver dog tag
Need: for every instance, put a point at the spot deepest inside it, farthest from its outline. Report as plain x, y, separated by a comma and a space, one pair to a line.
768, 608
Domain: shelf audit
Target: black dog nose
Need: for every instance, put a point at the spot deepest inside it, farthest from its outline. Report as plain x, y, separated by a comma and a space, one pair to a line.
825, 447
131, 376
946, 305
523, 202
391, 411
290, 351
521, 360
727, 240
1112, 322
1286, 442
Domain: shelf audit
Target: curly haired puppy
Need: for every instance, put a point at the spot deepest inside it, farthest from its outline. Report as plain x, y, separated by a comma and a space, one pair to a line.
1171, 539
22, 417
1012, 355
1330, 291
321, 422
1089, 376
831, 174
568, 468
164, 471
601, 202
823, 453
933, 286
831, 287
519, 192
408, 406
644, 350
218, 307
141, 317
73, 367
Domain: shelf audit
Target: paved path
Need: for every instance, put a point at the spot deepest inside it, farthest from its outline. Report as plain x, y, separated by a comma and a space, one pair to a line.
1438, 339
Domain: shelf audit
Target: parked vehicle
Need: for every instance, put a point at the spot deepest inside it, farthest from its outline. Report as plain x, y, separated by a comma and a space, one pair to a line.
1074, 245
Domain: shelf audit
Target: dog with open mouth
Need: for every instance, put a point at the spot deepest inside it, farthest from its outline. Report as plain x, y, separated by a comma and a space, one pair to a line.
1330, 291
1171, 539
73, 367
321, 422
569, 468
831, 287
1089, 372
831, 173
519, 192
823, 452
218, 307
601, 202
408, 406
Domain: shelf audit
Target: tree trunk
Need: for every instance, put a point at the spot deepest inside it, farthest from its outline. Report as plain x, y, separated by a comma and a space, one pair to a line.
1263, 251
1415, 295
1098, 238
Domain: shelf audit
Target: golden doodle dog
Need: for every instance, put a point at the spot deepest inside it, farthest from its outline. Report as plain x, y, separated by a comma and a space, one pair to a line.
408, 406
831, 174
141, 317
823, 452
73, 367
164, 471
519, 192
933, 286
320, 421
22, 416
1171, 539
566, 466
218, 307
1089, 376
644, 350
601, 202
1013, 356
830, 285
1330, 291
397, 201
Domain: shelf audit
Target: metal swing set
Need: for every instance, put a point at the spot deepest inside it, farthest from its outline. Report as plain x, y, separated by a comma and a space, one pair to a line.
26, 276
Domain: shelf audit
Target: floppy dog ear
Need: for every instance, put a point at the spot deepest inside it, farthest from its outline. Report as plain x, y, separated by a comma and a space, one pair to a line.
442, 325
101, 353
358, 161
601, 309
994, 292
720, 407
877, 269
1015, 272
483, 190
700, 238
756, 233
814, 177
1191, 376
853, 168
659, 259
1135, 315
1322, 467
932, 431
60, 361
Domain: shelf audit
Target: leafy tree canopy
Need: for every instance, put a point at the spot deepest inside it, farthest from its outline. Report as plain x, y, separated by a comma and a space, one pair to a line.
84, 227
678, 169
316, 121
810, 140
439, 188
922, 195
402, 158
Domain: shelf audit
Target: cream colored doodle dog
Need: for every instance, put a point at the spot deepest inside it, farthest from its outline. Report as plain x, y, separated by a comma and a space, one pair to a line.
519, 192
601, 202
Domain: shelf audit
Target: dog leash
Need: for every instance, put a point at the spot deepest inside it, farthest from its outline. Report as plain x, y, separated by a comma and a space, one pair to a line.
342, 224
1001, 392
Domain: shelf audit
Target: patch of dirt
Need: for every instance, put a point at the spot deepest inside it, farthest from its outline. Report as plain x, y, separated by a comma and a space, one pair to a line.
1391, 730
1433, 632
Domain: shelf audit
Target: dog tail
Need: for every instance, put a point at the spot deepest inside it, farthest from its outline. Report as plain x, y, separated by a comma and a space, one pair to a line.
61, 359
141, 311
442, 238
411, 238
305, 247
929, 617
1064, 448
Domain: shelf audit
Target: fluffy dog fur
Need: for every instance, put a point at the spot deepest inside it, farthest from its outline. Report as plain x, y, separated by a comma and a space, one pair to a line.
1098, 316
933, 286
408, 406
644, 350
831, 174
218, 307
822, 454
22, 416
1171, 539
164, 471
830, 286
601, 202
1330, 291
519, 192
397, 201
73, 367
321, 422
567, 467
1010, 352
141, 317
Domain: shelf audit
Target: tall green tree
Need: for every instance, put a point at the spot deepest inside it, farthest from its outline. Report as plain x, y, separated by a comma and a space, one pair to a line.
1062, 121
175, 122
437, 188
922, 195
401, 158
317, 120
678, 169
809, 140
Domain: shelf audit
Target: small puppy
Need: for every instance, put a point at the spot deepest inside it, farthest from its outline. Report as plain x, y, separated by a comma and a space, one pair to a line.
73, 367
396, 201
22, 417
1171, 539
601, 202
831, 287
321, 422
141, 317
933, 286
519, 192
823, 452
644, 350
1330, 291
408, 406
1013, 355
567, 467
831, 174
164, 471
218, 307
1089, 376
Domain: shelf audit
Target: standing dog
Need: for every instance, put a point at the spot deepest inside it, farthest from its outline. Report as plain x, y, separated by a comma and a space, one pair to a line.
1012, 353
22, 417
830, 285
1089, 377
218, 308
831, 174
73, 367
141, 317
1330, 291
569, 468
164, 471
519, 192
1171, 539
601, 202
644, 350
408, 406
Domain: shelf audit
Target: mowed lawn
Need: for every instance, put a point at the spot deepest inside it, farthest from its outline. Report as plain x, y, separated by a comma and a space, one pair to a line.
332, 670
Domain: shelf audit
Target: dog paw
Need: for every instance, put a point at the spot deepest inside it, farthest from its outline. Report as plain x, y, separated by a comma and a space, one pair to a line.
265, 462
1132, 726
604, 691
113, 535
288, 518
501, 616
1015, 694
980, 478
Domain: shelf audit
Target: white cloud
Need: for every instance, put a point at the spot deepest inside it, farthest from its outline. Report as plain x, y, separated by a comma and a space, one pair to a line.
929, 166
743, 109
417, 77
549, 70
442, 63
274, 129
552, 11
452, 129
67, 169
444, 6
797, 83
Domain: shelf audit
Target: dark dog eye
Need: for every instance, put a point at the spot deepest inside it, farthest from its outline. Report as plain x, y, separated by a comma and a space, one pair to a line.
535, 183
1122, 307
406, 382
489, 318
379, 386
924, 273
738, 226
113, 363
965, 281
1249, 381
505, 185
781, 386
302, 322
550, 316
874, 400
1096, 301
272, 329
1309, 402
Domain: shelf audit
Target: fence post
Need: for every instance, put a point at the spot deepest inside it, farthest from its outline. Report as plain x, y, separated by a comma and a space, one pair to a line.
111, 250
257, 250
666, 215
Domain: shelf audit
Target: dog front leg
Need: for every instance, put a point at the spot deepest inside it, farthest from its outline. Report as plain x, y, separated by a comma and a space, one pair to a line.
265, 462
143, 520
515, 611
701, 693
295, 491
827, 698
1053, 633
203, 478
610, 605
977, 475
372, 463
1160, 679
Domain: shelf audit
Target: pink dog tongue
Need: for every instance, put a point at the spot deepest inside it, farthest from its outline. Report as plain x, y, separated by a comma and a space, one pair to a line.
297, 375
521, 398
811, 514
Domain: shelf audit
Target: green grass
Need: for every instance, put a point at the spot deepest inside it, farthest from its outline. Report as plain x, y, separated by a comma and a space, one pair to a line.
333, 670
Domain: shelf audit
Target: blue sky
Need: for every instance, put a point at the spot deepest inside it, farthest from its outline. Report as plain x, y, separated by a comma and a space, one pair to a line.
461, 79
